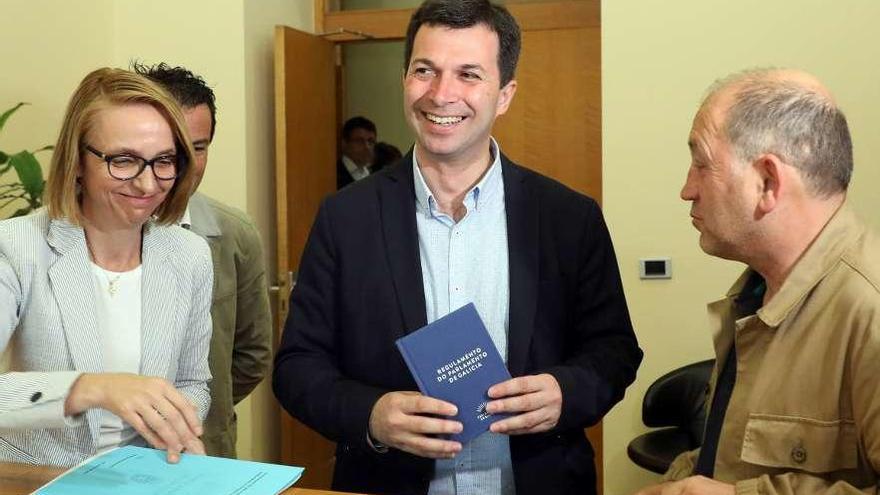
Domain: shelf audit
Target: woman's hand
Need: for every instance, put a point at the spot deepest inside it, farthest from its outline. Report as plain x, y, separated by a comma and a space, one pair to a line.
152, 406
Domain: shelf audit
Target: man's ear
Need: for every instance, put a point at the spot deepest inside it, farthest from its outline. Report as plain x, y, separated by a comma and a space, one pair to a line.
505, 97
771, 172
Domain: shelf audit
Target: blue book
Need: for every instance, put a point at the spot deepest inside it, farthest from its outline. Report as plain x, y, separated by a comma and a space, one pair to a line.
141, 471
454, 359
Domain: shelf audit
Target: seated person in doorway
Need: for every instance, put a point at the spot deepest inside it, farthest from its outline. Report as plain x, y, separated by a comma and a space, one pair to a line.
386, 154
356, 147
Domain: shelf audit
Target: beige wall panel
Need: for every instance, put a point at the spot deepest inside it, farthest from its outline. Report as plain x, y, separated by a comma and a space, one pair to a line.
46, 51
206, 37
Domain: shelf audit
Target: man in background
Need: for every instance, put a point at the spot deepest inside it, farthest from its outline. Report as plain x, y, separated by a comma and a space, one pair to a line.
386, 155
794, 407
241, 342
357, 147
456, 222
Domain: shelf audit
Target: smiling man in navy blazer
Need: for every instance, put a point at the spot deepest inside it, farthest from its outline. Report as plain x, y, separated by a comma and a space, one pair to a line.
456, 222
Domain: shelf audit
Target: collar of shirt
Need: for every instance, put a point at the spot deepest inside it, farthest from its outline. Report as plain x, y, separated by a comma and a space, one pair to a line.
185, 220
489, 186
751, 298
839, 235
356, 172
826, 250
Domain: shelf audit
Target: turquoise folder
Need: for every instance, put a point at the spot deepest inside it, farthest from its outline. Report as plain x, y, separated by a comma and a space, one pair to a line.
142, 471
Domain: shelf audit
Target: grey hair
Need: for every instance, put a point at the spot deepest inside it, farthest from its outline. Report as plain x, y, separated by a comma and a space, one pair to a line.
799, 124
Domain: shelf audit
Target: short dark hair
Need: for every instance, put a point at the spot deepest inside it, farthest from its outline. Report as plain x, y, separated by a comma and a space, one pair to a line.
187, 88
461, 14
357, 123
385, 154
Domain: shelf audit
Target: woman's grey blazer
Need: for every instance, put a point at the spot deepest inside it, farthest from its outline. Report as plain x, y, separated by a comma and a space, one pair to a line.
47, 324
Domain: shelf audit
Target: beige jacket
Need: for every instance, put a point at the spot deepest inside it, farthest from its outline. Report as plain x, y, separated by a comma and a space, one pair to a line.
804, 416
241, 345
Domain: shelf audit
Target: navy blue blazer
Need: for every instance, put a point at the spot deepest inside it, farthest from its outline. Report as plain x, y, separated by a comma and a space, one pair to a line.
360, 288
343, 176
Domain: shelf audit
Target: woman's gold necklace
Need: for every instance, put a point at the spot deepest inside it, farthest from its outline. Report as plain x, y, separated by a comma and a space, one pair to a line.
112, 282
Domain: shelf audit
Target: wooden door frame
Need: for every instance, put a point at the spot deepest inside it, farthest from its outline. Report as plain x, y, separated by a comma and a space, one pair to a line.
298, 195
390, 24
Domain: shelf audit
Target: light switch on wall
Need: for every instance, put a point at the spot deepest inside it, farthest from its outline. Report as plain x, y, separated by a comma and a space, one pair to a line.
655, 268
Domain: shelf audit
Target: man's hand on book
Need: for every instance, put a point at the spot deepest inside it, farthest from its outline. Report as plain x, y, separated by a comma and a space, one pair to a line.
401, 420
151, 405
535, 402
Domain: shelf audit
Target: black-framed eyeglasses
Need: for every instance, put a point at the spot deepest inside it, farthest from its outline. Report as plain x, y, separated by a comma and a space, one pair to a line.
127, 166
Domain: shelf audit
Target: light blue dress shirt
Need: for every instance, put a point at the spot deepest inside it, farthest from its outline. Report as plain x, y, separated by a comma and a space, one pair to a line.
468, 262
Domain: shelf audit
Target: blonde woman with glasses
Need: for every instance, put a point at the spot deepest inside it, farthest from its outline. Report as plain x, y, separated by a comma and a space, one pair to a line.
104, 302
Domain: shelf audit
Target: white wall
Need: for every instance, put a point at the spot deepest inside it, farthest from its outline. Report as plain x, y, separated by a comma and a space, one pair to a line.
44, 57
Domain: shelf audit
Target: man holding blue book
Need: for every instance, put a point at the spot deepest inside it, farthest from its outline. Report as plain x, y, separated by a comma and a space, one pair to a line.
456, 222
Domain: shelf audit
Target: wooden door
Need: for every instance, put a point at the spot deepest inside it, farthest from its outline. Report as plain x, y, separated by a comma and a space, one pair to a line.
554, 123
305, 172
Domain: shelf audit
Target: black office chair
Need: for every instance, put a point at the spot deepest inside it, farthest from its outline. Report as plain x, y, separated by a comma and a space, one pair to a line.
676, 402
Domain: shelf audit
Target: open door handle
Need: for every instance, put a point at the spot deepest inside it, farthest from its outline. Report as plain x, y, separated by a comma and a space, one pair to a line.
291, 281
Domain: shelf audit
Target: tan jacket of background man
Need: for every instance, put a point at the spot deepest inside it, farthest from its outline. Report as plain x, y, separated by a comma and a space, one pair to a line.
805, 411
241, 345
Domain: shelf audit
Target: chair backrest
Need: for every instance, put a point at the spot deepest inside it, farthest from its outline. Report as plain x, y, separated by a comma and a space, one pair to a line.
678, 398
